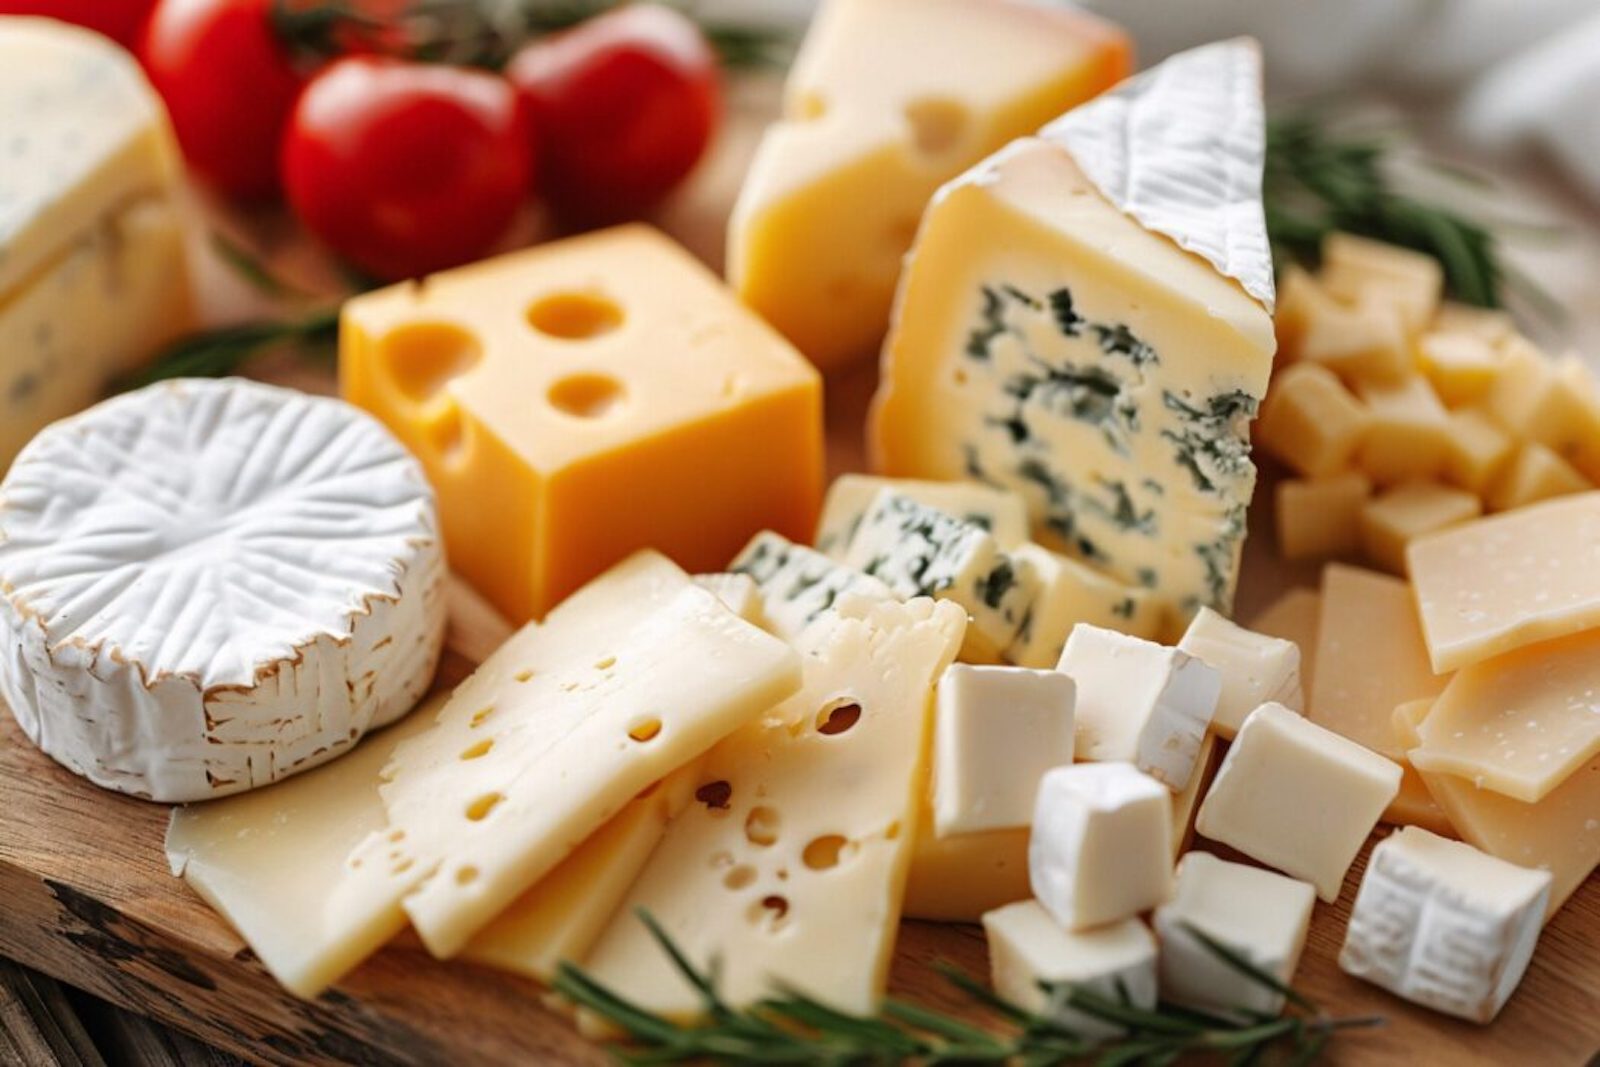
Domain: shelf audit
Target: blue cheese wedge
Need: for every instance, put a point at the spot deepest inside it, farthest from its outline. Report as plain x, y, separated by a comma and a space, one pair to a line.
1001, 512
796, 586
920, 551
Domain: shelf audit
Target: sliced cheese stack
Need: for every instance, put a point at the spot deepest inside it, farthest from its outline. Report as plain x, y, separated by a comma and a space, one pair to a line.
211, 585
92, 269
1402, 415
886, 100
1085, 319
579, 401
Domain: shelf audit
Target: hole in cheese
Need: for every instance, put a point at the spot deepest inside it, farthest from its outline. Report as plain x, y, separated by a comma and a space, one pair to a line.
823, 852
480, 715
422, 357
770, 908
809, 107
645, 730
466, 875
523, 676
574, 316
937, 123
739, 877
480, 749
605, 664
586, 396
838, 717
480, 807
715, 795
761, 826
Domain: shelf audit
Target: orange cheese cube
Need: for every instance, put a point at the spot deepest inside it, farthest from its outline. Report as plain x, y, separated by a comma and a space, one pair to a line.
1392, 520
1310, 421
1321, 518
1534, 474
1407, 437
584, 399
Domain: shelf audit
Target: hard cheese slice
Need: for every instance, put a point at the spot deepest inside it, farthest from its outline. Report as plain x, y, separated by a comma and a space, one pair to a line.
1369, 658
1046, 342
1521, 723
632, 677
792, 866
273, 862
887, 99
1510, 580
1559, 834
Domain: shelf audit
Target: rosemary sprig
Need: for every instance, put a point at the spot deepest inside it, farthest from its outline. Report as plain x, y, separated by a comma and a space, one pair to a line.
486, 33
790, 1027
221, 352
1318, 181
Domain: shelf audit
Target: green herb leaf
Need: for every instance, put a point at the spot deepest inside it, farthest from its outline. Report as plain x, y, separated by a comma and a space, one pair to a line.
221, 352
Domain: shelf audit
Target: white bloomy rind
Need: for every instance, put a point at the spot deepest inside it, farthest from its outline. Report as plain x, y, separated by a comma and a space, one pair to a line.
206, 586
1181, 148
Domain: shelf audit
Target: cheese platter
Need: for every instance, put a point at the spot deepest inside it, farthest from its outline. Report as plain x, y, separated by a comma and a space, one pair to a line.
1049, 477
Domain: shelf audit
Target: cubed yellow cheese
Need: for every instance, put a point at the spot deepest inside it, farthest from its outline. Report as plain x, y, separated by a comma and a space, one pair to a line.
1493, 326
1359, 268
581, 400
1535, 473
1396, 517
1461, 366
1071, 592
1478, 450
1301, 299
959, 877
1370, 657
887, 100
1508, 580
1406, 436
1367, 340
1520, 723
1321, 518
1311, 421
1577, 382
1533, 400
1294, 617
1559, 834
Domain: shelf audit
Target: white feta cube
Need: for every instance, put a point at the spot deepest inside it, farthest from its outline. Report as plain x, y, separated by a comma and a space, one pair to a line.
1256, 669
1444, 925
1139, 702
1101, 845
997, 730
1260, 915
1297, 797
1027, 946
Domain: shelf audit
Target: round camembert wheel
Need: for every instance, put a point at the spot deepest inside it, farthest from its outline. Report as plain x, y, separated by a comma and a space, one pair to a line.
207, 586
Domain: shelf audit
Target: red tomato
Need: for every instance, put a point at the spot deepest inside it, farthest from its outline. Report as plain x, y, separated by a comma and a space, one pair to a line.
229, 85
119, 20
405, 168
623, 106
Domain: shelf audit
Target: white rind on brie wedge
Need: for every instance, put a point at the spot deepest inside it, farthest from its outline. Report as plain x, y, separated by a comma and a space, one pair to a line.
207, 586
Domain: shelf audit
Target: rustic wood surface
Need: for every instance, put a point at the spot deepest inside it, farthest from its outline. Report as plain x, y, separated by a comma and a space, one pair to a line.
85, 895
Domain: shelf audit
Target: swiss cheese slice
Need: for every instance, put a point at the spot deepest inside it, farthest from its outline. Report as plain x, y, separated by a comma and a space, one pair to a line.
1510, 580
887, 99
791, 867
629, 679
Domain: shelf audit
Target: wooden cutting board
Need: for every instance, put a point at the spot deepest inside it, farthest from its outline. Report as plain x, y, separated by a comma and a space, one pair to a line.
85, 894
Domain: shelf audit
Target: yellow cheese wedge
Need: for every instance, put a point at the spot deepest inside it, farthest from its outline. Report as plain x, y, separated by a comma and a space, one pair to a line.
958, 877
1520, 723
1320, 518
1395, 518
886, 101
1507, 581
1294, 616
274, 862
554, 734
791, 866
584, 399
565, 912
1559, 834
1370, 657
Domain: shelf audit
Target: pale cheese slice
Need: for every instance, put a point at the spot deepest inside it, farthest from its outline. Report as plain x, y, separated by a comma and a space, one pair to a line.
272, 862
1370, 657
1521, 723
1510, 580
792, 866
633, 676
1294, 616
